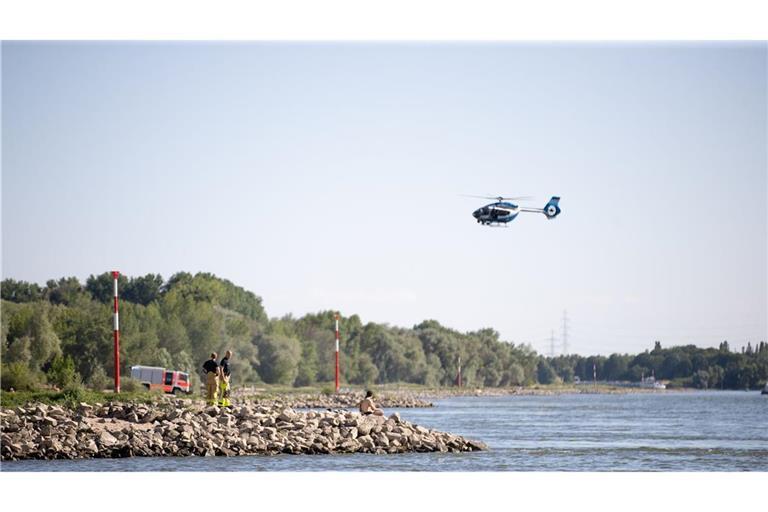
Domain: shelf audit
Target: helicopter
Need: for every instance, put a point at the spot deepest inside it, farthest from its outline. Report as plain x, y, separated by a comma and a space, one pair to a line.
501, 212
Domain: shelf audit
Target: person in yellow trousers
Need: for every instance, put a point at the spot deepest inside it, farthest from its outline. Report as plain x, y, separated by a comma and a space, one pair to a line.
224, 380
212, 372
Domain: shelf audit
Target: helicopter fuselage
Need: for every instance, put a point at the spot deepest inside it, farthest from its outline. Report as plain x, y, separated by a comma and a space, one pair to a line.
496, 213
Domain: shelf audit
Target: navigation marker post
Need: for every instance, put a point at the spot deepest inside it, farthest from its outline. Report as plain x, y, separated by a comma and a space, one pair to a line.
594, 374
115, 275
337, 352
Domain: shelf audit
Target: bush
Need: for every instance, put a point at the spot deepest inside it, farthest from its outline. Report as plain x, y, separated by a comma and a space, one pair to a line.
19, 377
99, 381
130, 385
74, 393
62, 372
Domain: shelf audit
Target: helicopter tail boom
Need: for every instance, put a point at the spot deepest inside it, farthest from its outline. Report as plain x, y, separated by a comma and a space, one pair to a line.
550, 210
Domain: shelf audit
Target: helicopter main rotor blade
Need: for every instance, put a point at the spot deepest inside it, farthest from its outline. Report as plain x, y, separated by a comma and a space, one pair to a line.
500, 198
518, 198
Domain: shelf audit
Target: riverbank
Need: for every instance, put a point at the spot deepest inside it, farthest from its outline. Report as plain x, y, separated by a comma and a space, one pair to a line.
386, 396
180, 428
538, 390
415, 397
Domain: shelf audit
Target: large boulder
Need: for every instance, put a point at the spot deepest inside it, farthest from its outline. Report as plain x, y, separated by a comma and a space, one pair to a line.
367, 424
107, 439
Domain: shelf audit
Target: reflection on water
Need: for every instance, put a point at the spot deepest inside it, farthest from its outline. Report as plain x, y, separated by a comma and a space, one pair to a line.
687, 431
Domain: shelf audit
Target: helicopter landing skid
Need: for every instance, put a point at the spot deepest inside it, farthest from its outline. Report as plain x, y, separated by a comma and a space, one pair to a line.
496, 224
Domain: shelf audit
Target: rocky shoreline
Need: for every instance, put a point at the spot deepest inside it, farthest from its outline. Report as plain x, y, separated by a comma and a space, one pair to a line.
400, 399
407, 398
177, 428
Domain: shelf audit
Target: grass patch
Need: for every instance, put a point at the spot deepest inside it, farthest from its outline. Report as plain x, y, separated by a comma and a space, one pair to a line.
685, 382
71, 398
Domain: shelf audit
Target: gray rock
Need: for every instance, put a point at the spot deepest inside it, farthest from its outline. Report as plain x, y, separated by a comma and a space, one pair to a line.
366, 441
89, 446
227, 420
107, 439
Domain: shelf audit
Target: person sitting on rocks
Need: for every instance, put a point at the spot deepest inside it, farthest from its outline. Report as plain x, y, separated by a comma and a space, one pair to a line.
367, 407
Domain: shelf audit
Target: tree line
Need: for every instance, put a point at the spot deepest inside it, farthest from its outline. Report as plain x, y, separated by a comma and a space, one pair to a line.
61, 333
683, 366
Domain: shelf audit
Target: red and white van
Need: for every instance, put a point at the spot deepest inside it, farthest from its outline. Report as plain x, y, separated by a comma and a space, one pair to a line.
154, 377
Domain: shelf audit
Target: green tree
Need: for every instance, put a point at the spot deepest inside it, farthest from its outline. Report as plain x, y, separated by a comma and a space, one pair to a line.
367, 373
279, 359
67, 291
516, 374
616, 367
20, 291
545, 374
32, 339
307, 372
143, 290
716, 374
102, 287
19, 351
701, 379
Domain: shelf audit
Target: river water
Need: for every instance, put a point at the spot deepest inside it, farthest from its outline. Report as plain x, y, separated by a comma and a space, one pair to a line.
667, 431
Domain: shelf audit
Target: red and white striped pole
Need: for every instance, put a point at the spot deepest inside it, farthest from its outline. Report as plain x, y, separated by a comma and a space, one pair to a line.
594, 374
115, 275
337, 352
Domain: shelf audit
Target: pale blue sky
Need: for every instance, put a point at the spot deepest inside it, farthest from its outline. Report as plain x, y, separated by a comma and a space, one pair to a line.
325, 176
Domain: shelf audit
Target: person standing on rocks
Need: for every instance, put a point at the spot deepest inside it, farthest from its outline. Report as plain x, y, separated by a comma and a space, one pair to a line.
367, 406
212, 372
226, 373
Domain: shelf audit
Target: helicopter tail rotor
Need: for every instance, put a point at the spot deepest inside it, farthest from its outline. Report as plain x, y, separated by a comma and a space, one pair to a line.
551, 209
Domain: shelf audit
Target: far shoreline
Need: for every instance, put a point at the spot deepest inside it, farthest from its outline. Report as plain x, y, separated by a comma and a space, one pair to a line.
387, 396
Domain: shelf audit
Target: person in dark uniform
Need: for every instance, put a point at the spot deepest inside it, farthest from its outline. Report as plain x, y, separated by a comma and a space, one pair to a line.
226, 373
212, 372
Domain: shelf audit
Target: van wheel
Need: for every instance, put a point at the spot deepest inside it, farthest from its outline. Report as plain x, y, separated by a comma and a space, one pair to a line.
145, 385
174, 390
